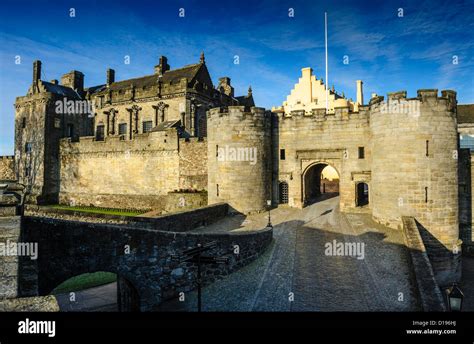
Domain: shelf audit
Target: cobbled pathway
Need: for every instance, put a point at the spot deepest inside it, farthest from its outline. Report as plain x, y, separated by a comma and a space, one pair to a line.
295, 274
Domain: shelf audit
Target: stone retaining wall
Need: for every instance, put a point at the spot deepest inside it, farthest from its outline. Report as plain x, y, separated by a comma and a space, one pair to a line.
428, 289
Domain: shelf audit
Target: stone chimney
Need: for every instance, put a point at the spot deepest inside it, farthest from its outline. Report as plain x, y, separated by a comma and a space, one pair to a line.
110, 76
36, 71
225, 87
360, 94
74, 79
162, 66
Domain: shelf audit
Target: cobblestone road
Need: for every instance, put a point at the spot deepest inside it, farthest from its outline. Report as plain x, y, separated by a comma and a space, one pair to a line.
295, 274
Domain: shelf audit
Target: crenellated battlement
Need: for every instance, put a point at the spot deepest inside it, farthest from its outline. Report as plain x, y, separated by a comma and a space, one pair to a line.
7, 157
238, 113
397, 99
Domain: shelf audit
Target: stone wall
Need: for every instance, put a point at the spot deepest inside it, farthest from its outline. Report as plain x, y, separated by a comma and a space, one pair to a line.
176, 222
9, 232
428, 289
144, 173
239, 157
7, 168
69, 248
193, 164
315, 138
47, 303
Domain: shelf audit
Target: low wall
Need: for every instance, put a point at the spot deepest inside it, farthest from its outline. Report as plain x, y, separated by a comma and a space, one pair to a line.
177, 222
170, 202
7, 168
30, 304
428, 289
71, 248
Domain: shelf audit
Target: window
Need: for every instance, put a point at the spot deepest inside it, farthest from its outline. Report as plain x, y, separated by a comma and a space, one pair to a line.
282, 154
217, 190
28, 147
57, 123
147, 125
23, 122
123, 129
70, 130
27, 171
99, 134
217, 151
361, 153
427, 148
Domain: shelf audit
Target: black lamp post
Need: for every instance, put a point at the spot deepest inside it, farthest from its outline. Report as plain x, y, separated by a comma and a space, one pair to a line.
455, 298
269, 204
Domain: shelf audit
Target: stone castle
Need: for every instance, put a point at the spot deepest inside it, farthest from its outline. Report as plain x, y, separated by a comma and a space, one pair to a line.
172, 139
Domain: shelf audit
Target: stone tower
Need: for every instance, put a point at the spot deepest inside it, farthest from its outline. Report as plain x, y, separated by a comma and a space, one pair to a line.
239, 157
414, 170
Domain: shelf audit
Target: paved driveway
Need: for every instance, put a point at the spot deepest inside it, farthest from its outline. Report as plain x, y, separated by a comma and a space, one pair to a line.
296, 274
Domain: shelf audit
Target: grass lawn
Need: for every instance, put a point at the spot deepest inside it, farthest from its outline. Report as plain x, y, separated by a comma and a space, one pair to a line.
85, 281
97, 210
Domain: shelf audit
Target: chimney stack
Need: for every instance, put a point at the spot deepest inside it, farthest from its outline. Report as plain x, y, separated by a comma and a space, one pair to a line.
110, 76
36, 71
163, 66
74, 80
360, 94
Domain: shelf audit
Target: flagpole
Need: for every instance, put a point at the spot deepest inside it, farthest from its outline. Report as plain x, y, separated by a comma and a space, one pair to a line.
326, 46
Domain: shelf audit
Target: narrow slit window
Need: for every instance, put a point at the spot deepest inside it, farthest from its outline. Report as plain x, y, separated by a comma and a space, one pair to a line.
282, 154
427, 148
426, 194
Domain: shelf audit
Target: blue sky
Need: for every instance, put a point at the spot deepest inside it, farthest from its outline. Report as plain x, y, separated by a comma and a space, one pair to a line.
388, 52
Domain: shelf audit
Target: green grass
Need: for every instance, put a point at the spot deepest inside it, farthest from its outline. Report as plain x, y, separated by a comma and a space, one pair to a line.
85, 281
99, 210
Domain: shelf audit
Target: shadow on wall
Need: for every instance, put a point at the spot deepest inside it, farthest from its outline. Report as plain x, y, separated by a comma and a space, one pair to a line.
446, 263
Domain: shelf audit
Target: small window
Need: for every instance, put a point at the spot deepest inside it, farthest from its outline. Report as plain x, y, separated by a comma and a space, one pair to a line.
57, 123
361, 153
217, 190
217, 151
27, 171
427, 148
123, 129
282, 154
147, 125
28, 147
23, 122
70, 130
99, 134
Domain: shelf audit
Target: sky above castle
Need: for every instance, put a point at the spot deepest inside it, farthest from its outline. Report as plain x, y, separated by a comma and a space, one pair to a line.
390, 45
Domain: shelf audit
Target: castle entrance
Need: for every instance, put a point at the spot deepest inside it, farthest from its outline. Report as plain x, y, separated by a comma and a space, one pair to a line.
320, 182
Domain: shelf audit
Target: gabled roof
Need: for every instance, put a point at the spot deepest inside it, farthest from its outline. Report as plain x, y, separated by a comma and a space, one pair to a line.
60, 90
466, 113
246, 100
173, 76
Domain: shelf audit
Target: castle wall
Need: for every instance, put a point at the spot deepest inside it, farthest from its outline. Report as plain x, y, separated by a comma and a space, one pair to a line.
193, 164
7, 168
143, 173
414, 169
333, 139
234, 177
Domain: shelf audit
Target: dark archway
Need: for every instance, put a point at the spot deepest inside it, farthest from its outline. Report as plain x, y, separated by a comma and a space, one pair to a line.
362, 194
320, 181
